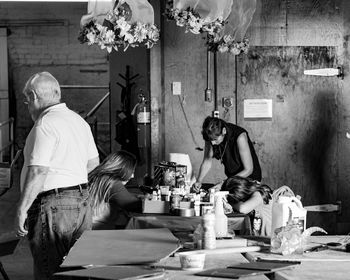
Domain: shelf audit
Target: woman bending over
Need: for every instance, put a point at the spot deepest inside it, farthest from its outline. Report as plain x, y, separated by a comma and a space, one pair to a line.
109, 196
245, 196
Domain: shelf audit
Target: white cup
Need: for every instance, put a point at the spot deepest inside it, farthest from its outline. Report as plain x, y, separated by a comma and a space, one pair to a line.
192, 260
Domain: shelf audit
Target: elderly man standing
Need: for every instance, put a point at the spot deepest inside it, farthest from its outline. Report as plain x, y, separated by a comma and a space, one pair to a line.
54, 207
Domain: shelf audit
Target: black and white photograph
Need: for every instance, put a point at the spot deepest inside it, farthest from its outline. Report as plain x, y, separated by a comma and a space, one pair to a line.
174, 139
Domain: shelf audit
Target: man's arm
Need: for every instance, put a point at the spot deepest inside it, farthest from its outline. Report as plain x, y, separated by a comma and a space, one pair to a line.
205, 166
33, 185
120, 197
92, 163
246, 156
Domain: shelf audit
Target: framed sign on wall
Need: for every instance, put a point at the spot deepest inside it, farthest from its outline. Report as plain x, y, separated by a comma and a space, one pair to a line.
257, 109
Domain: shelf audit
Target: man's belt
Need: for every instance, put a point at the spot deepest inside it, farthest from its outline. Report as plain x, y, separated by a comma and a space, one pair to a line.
61, 190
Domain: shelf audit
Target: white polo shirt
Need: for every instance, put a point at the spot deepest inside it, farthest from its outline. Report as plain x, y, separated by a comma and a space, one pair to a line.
61, 140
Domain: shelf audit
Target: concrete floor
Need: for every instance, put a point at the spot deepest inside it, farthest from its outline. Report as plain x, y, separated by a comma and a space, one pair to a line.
18, 266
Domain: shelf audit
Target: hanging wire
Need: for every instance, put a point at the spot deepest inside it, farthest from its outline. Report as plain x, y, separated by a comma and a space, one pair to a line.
189, 127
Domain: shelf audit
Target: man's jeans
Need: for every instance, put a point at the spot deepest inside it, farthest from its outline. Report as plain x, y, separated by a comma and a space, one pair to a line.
55, 222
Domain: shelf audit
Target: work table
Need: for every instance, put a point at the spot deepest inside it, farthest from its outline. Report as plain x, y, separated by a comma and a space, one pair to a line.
138, 247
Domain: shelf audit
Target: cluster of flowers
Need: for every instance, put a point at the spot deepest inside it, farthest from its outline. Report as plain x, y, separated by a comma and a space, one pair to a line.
227, 44
193, 22
116, 32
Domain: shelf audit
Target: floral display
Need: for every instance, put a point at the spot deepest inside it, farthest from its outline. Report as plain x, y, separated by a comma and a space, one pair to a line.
227, 44
217, 40
192, 21
118, 32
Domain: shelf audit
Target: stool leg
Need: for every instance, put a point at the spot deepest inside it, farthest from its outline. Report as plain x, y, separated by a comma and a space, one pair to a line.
2, 270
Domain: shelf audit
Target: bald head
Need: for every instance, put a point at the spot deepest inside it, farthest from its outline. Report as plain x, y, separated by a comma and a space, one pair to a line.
45, 86
41, 91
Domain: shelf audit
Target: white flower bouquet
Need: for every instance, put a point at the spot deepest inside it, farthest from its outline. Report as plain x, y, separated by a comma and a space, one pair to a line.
217, 19
117, 31
192, 20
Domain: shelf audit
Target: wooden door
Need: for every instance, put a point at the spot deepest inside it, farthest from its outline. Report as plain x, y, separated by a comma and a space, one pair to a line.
299, 147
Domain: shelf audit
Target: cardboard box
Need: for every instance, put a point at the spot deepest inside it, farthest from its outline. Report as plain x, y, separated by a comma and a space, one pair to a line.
155, 206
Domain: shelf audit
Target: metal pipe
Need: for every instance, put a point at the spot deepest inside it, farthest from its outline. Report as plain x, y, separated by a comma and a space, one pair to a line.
95, 108
82, 86
6, 146
208, 91
236, 90
10, 120
33, 22
11, 137
215, 82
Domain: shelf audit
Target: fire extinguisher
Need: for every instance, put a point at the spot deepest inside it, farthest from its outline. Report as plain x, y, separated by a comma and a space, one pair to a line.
143, 117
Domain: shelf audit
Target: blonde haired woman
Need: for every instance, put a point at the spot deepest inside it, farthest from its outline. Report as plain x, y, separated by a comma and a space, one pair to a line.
109, 196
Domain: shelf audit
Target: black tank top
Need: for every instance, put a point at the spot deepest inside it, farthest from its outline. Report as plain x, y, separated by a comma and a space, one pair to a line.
228, 153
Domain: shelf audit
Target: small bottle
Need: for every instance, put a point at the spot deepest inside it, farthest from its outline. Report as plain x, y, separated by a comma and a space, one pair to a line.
198, 236
208, 236
197, 205
180, 182
197, 208
154, 195
257, 224
212, 196
175, 200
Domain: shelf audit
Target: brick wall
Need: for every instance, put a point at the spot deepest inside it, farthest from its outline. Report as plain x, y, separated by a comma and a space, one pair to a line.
43, 37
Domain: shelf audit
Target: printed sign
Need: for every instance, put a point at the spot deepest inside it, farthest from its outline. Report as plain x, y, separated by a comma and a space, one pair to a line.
257, 109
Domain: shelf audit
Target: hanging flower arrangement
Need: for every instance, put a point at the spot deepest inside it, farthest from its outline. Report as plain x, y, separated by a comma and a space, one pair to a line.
217, 19
117, 31
192, 21
226, 44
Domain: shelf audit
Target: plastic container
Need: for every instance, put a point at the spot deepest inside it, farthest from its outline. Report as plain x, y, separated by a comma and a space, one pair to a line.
220, 216
208, 226
192, 260
287, 208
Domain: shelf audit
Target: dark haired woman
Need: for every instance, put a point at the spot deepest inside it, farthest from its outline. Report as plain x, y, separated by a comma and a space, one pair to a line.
246, 195
109, 196
231, 145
